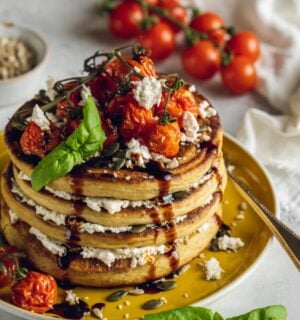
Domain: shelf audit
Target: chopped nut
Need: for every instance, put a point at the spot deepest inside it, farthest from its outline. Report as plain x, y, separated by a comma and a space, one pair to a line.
185, 295
126, 316
201, 255
243, 206
97, 313
119, 306
127, 303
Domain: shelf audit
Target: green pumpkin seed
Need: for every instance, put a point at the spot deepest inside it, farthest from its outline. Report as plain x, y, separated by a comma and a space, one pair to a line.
110, 150
115, 296
119, 163
180, 195
153, 304
166, 285
119, 154
138, 228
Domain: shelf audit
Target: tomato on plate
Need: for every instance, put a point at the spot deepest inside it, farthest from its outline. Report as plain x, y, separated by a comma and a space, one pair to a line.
240, 75
245, 43
37, 292
124, 21
176, 10
159, 39
163, 138
201, 60
212, 24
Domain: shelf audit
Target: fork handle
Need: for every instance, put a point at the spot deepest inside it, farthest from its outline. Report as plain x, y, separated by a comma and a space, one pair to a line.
286, 237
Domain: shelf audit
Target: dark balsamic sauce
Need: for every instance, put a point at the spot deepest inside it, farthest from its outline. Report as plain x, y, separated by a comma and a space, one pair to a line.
76, 311
76, 185
155, 168
72, 252
66, 284
149, 287
99, 305
209, 146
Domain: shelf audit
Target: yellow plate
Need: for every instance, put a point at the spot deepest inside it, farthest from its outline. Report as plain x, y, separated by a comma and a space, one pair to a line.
237, 266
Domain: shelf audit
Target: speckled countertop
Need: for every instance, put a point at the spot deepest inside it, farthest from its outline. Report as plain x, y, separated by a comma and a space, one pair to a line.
74, 31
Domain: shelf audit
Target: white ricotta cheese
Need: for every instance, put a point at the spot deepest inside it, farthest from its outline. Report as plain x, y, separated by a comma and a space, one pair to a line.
85, 93
54, 118
137, 153
39, 118
111, 205
226, 243
71, 298
192, 88
12, 216
53, 246
203, 228
60, 194
147, 92
51, 93
190, 125
169, 163
92, 228
205, 110
23, 176
213, 269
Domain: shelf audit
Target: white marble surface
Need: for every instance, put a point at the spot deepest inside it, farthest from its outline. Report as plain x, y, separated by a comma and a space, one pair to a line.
75, 31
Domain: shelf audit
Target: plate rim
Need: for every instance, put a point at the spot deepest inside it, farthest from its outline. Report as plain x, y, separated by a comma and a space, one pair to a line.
14, 310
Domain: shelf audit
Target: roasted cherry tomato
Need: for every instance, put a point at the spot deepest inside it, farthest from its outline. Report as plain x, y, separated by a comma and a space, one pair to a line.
111, 132
201, 60
211, 24
124, 21
135, 119
101, 87
163, 138
160, 40
245, 43
37, 142
176, 10
37, 292
240, 75
179, 102
9, 262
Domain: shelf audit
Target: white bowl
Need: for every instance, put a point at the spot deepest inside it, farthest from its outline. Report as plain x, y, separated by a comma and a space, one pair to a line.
17, 89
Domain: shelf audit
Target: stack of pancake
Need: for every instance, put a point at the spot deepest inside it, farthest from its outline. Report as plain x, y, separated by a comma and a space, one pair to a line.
106, 227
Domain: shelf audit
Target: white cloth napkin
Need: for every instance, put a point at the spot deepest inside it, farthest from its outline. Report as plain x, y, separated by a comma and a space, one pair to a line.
275, 140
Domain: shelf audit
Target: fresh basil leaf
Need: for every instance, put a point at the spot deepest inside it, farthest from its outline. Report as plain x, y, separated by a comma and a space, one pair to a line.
276, 312
84, 142
185, 313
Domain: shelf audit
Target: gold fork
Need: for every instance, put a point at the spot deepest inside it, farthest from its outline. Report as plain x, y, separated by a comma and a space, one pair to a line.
289, 240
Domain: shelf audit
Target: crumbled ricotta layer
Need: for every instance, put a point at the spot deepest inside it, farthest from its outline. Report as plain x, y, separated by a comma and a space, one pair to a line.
12, 217
190, 126
71, 297
147, 92
205, 110
213, 269
169, 163
226, 243
59, 194
138, 256
203, 228
39, 118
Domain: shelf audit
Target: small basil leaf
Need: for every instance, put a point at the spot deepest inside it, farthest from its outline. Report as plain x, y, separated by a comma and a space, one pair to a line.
84, 142
191, 313
276, 312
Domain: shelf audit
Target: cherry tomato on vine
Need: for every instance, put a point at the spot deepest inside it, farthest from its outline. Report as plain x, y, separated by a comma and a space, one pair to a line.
37, 292
201, 60
160, 39
163, 138
240, 75
176, 10
245, 43
212, 24
124, 21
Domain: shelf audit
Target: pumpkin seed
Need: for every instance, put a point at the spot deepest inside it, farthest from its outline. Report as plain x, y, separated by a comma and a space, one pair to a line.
166, 285
180, 195
119, 163
138, 228
153, 304
119, 154
136, 292
110, 150
118, 295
